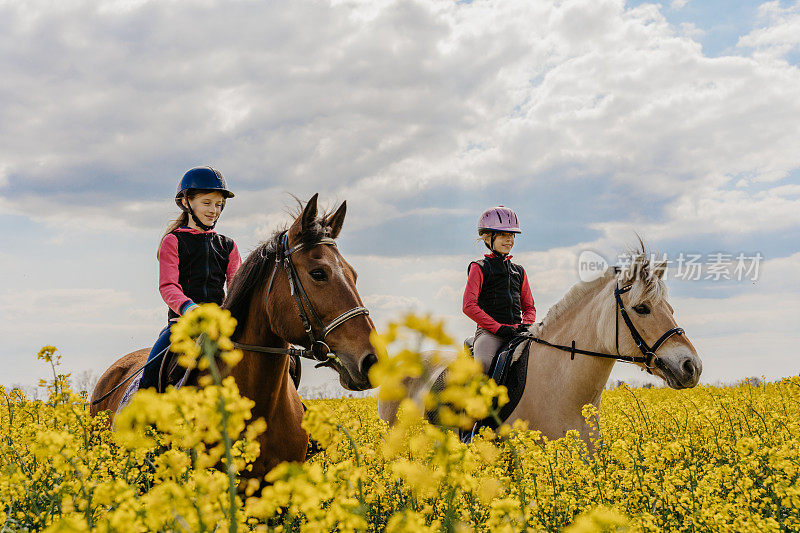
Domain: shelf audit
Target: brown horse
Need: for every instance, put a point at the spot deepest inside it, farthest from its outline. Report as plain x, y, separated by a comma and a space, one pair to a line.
264, 300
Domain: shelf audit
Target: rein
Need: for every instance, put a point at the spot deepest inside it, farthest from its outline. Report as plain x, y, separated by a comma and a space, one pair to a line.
319, 350
648, 357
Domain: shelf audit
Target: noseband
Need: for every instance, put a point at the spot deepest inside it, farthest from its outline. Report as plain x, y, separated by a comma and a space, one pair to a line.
648, 356
319, 350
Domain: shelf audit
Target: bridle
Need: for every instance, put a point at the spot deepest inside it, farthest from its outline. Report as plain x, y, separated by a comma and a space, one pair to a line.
319, 349
648, 356
648, 352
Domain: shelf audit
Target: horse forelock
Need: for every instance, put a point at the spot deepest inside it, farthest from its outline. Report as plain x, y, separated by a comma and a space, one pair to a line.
308, 235
644, 277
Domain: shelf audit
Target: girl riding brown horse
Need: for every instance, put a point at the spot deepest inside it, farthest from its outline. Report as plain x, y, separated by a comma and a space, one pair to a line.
295, 288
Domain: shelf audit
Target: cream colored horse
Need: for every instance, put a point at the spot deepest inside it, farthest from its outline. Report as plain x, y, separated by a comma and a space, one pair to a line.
557, 388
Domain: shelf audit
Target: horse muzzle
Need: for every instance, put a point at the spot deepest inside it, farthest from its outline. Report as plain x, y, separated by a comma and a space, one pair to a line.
679, 371
354, 373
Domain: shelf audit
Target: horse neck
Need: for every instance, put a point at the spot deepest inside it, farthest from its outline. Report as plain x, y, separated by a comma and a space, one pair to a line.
264, 378
581, 380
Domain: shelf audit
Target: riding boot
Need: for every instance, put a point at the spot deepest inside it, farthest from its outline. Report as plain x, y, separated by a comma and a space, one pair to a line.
151, 370
150, 375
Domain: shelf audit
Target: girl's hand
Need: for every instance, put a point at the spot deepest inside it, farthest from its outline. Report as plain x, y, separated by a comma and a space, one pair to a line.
523, 328
506, 332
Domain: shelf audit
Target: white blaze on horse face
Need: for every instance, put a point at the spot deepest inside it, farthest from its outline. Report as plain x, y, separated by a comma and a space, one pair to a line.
346, 339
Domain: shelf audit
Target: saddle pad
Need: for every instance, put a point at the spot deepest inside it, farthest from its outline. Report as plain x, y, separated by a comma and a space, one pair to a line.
514, 381
133, 386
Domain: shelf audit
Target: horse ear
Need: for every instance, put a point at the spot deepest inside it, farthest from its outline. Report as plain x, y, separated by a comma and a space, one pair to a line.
336, 220
310, 212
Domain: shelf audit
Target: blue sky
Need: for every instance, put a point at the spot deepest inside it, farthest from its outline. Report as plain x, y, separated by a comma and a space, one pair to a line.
721, 22
593, 119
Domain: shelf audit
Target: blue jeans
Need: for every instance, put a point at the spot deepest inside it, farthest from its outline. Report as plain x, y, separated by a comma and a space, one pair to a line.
150, 374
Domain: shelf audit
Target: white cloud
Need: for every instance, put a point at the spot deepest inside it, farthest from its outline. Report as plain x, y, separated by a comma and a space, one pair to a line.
111, 218
718, 212
65, 303
441, 275
450, 294
379, 102
780, 33
722, 317
391, 302
690, 30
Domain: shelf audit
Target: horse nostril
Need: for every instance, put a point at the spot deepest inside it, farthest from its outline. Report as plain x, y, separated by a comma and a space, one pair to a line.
688, 367
367, 362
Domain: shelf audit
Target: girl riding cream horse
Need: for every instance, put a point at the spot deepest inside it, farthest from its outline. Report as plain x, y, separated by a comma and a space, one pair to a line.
498, 296
557, 386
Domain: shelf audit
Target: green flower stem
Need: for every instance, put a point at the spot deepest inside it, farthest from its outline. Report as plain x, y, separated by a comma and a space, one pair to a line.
209, 351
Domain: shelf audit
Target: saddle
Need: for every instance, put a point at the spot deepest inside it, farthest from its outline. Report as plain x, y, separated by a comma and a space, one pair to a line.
171, 373
509, 368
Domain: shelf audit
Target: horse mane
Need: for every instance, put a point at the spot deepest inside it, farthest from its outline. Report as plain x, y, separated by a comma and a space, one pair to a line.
575, 293
256, 269
650, 286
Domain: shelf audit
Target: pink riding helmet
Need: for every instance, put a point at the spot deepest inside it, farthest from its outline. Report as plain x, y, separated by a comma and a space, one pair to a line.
499, 218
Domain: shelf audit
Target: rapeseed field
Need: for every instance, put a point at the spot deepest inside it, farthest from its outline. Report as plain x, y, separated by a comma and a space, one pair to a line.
705, 459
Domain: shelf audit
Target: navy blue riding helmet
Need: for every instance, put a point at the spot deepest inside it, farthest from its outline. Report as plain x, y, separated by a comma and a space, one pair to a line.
205, 179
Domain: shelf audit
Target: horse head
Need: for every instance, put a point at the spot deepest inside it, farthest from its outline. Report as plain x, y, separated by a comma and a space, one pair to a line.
649, 330
313, 300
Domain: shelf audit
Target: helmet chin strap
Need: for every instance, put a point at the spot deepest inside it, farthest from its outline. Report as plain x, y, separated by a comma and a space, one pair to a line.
490, 245
204, 227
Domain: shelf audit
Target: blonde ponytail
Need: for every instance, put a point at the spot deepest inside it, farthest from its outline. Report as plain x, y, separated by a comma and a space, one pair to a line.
182, 220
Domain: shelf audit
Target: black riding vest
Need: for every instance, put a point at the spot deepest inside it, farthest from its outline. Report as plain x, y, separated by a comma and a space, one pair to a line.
202, 266
501, 289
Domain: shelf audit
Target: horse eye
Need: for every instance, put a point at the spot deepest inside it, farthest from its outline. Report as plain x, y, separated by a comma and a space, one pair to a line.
319, 275
642, 309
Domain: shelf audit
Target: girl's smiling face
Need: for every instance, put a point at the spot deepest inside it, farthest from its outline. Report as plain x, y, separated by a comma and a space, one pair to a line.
207, 207
503, 241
